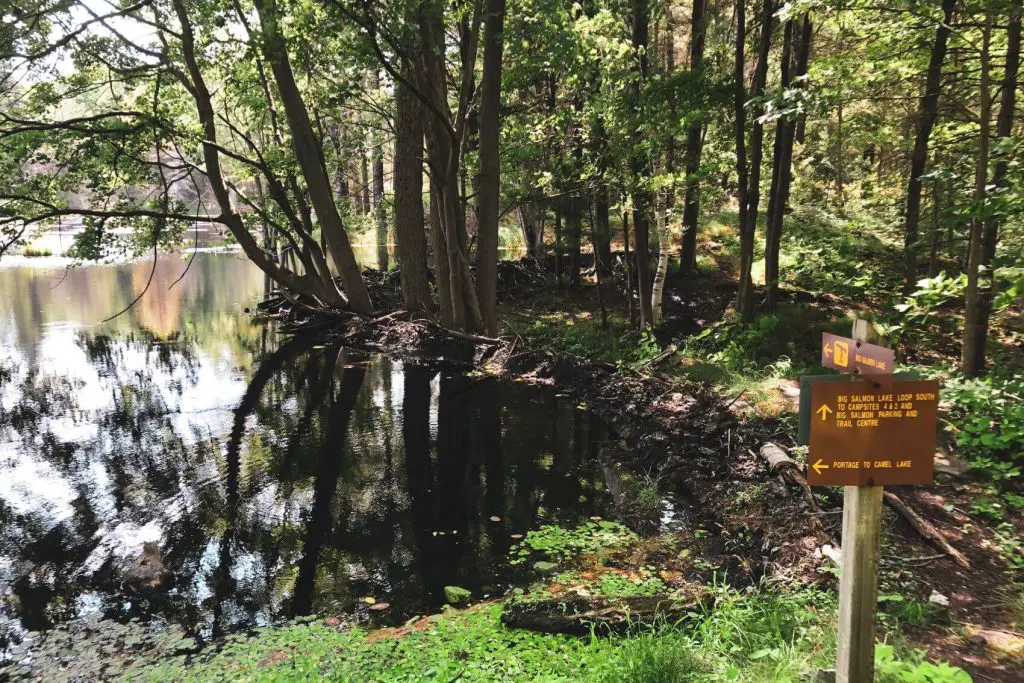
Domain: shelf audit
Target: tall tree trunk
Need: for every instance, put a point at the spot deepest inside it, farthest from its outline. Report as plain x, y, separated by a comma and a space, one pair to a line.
439, 242
694, 146
444, 135
838, 157
782, 165
575, 204
531, 222
773, 222
558, 242
339, 137
740, 132
379, 212
630, 289
490, 165
927, 114
668, 193
364, 179
602, 231
976, 328
410, 234
574, 239
640, 160
310, 157
748, 215
933, 253
971, 361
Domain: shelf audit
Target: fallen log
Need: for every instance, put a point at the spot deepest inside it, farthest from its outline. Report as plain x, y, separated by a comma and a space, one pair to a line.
780, 464
926, 529
578, 615
672, 348
475, 338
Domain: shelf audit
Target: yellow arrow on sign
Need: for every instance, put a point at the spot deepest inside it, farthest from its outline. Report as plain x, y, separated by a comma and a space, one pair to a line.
828, 350
823, 411
819, 466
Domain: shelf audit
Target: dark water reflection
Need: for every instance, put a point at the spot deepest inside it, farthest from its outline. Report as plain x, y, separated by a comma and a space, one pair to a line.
280, 478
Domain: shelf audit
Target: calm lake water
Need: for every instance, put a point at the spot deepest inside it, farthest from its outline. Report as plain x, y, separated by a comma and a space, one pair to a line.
280, 477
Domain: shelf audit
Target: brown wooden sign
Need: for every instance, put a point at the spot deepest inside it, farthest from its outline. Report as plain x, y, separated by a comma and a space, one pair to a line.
863, 434
856, 357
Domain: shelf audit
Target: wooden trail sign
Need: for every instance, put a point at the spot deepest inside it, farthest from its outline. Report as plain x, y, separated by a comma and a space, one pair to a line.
855, 357
863, 434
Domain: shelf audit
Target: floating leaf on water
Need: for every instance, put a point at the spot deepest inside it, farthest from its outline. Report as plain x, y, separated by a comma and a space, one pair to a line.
369, 601
494, 518
516, 536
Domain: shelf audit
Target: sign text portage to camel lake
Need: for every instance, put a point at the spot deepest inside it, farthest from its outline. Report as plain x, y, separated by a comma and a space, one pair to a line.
877, 431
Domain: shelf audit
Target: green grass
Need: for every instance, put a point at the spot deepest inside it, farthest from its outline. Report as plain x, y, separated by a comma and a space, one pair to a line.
753, 635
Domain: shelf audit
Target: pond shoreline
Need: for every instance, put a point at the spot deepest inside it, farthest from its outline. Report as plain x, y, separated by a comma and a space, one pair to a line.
701, 447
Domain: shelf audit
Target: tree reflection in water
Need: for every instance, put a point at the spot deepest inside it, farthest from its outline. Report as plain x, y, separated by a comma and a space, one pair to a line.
334, 477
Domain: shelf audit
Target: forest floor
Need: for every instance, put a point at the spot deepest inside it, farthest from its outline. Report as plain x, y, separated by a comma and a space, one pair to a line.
749, 563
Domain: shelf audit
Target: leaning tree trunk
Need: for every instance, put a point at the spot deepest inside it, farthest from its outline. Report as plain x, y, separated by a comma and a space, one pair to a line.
410, 236
490, 165
976, 331
694, 146
640, 162
310, 158
926, 117
195, 82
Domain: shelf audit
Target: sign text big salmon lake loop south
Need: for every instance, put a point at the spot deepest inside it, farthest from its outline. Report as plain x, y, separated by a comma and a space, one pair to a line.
863, 434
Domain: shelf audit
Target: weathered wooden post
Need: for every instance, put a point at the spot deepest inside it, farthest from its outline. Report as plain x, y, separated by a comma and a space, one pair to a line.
858, 578
870, 431
858, 583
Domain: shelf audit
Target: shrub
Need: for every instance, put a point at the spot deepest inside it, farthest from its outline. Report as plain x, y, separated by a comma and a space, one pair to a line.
988, 422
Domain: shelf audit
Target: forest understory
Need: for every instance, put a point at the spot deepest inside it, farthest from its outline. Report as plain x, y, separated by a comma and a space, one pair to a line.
950, 569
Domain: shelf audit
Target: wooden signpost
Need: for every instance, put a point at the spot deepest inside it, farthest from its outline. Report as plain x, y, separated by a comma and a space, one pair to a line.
864, 434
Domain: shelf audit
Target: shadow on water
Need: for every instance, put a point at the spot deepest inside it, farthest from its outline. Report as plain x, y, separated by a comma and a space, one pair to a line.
278, 482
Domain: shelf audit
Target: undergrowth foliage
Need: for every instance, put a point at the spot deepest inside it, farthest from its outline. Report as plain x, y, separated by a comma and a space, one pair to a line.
988, 422
753, 635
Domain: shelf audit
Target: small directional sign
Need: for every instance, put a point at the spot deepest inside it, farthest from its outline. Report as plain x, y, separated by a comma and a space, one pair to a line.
855, 357
863, 434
